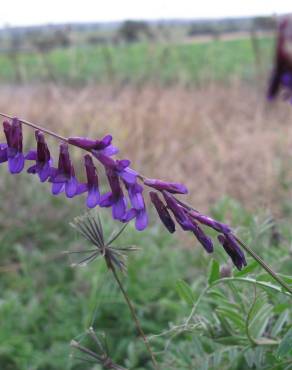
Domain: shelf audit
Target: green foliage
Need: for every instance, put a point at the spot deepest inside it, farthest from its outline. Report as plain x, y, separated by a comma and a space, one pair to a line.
194, 318
166, 63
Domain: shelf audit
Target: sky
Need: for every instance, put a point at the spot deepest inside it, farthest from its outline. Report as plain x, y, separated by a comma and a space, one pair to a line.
33, 12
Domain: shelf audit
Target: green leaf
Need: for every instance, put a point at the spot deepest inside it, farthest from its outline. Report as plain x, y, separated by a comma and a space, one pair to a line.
259, 319
185, 292
285, 347
233, 316
248, 269
280, 322
214, 271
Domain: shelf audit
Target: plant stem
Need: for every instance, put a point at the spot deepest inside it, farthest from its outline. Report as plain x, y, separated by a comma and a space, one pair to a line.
264, 265
30, 124
133, 313
252, 254
243, 245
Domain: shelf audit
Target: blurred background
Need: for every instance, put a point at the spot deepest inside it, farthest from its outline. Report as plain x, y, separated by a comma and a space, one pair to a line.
181, 86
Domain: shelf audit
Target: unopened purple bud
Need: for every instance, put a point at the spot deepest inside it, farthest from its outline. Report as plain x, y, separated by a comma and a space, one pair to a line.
64, 176
96, 146
178, 211
171, 187
208, 221
232, 248
162, 212
203, 238
13, 133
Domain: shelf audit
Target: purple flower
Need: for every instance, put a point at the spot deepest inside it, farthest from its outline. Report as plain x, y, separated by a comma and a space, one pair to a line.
121, 167
179, 212
203, 238
63, 177
232, 248
95, 146
42, 157
13, 133
115, 198
171, 187
208, 221
93, 197
282, 73
162, 212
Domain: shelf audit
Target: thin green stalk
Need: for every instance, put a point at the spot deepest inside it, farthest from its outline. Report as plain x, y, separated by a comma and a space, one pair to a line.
136, 320
252, 254
264, 265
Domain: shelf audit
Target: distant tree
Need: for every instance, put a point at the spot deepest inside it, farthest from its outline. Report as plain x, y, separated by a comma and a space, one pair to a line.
131, 31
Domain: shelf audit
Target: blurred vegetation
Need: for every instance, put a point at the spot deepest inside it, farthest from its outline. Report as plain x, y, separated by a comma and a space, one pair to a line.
197, 314
139, 62
135, 51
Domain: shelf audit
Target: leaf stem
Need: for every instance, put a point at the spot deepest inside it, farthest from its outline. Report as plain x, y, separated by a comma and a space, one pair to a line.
133, 313
264, 265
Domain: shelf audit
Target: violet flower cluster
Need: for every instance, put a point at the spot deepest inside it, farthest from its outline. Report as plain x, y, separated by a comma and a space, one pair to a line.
281, 78
125, 195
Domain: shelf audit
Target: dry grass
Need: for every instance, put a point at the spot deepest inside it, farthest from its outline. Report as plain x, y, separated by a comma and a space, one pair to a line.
218, 140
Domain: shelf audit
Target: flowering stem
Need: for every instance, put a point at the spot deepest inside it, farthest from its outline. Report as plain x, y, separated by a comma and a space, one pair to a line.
264, 265
253, 255
133, 313
243, 245
30, 124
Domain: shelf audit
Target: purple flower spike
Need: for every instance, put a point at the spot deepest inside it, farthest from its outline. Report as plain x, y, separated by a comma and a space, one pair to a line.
95, 146
42, 157
63, 177
93, 197
208, 221
171, 187
203, 238
162, 212
13, 133
179, 212
232, 248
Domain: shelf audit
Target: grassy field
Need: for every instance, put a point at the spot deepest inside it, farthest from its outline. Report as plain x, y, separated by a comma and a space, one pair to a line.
222, 140
45, 303
140, 62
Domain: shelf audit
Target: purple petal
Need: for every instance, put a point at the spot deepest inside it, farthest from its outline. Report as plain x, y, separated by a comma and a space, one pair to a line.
71, 187
141, 220
109, 151
129, 175
93, 198
106, 200
44, 172
129, 215
58, 188
32, 169
119, 208
136, 197
16, 163
81, 188
31, 155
